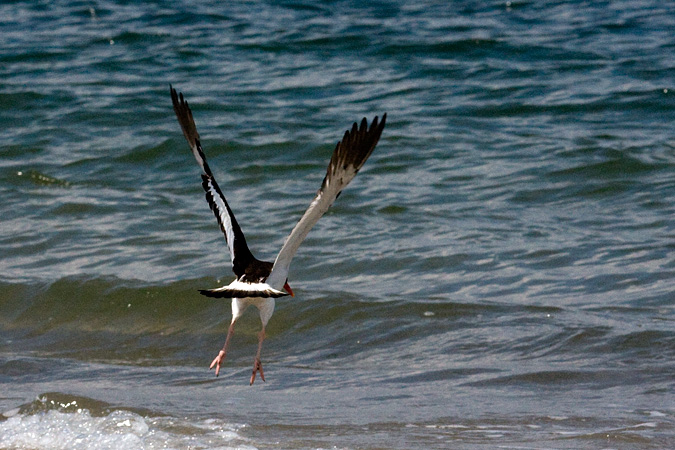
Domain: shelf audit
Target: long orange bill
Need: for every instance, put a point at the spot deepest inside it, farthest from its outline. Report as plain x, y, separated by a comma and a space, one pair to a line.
288, 289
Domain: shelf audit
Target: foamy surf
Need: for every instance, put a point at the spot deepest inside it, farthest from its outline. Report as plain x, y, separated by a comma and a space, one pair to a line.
55, 422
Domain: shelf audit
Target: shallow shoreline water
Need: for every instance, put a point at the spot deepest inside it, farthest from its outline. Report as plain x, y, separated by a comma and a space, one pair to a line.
499, 275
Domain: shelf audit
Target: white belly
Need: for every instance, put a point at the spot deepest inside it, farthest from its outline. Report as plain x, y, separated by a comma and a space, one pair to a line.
264, 305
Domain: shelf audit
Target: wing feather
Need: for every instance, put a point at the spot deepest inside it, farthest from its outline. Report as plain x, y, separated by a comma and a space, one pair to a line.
348, 157
240, 254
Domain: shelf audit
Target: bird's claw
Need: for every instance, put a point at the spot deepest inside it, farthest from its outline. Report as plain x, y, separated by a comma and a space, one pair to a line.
257, 367
217, 362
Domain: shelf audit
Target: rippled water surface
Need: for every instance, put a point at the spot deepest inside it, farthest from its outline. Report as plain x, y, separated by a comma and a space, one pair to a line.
501, 274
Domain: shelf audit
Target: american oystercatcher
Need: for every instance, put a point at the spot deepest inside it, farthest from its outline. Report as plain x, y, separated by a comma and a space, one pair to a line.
258, 282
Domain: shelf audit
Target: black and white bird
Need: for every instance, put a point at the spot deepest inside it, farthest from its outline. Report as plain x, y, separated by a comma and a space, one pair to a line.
258, 282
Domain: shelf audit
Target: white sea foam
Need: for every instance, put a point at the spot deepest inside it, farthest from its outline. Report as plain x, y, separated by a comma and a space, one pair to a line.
119, 429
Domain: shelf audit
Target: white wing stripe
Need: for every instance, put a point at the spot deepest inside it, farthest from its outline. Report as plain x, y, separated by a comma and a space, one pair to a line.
217, 203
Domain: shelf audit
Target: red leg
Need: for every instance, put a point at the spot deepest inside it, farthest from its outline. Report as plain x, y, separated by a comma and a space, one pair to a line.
221, 355
257, 365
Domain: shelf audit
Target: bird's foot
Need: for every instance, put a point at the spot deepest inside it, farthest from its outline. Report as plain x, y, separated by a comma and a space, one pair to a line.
257, 367
218, 361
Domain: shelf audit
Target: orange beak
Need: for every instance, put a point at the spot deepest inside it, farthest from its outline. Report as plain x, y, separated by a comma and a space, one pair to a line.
289, 290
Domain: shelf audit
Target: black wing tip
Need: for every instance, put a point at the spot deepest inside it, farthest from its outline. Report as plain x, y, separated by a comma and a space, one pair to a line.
178, 100
375, 130
375, 123
185, 119
355, 147
174, 94
376, 127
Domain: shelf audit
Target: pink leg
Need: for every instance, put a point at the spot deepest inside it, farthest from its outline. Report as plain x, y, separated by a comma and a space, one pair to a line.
221, 355
257, 365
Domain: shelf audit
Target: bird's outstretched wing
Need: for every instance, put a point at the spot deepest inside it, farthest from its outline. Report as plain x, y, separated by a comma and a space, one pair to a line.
239, 253
348, 157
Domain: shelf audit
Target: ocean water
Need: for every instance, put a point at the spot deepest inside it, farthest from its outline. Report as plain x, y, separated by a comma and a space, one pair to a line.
501, 274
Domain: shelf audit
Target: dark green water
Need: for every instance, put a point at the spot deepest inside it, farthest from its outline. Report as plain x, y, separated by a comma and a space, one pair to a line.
501, 274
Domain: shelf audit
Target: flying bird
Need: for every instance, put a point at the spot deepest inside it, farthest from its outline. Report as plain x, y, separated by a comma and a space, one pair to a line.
259, 282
